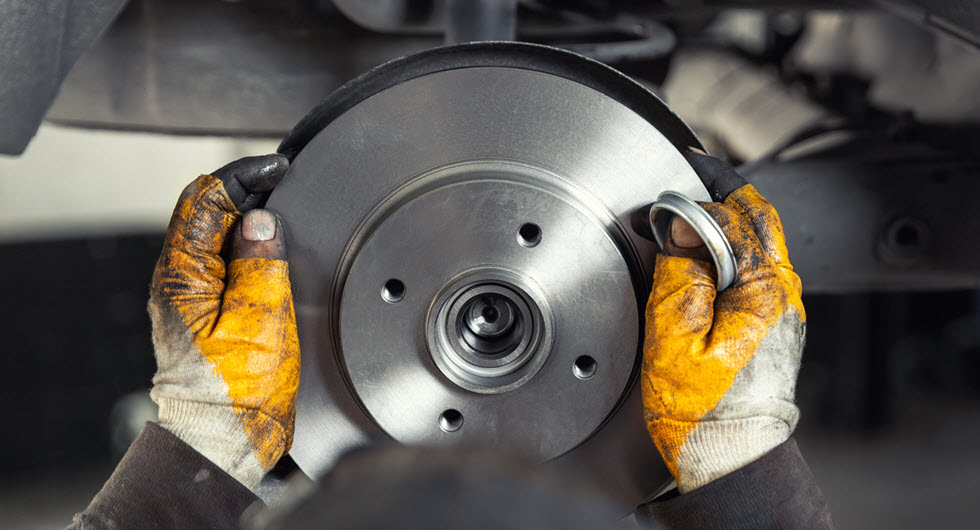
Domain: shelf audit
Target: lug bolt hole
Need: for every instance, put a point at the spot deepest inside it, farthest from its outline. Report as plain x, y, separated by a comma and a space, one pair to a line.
529, 234
393, 291
584, 367
450, 420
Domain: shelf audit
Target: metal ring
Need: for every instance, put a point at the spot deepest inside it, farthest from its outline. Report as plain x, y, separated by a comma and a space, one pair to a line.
706, 227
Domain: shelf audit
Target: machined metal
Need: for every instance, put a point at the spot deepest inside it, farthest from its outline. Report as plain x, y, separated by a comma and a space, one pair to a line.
484, 329
671, 204
425, 211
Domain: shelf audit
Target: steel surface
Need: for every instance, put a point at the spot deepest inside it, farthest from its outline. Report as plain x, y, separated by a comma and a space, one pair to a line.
429, 182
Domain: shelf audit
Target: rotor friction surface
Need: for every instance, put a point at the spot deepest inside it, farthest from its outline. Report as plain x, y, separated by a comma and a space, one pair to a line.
430, 182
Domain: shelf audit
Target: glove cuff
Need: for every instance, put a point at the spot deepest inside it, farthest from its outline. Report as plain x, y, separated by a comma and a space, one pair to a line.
216, 432
714, 449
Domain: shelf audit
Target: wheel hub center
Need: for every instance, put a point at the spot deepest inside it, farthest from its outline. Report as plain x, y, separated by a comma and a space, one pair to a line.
490, 317
486, 331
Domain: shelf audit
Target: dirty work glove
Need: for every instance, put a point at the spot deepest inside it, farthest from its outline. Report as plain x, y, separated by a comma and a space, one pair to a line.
719, 369
224, 332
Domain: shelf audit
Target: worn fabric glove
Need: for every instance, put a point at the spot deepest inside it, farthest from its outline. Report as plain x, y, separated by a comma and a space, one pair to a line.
224, 332
719, 368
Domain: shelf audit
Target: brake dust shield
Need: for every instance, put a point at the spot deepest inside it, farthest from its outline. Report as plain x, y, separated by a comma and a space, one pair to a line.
463, 266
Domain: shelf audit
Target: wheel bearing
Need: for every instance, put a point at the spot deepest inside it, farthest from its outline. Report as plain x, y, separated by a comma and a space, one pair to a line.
523, 347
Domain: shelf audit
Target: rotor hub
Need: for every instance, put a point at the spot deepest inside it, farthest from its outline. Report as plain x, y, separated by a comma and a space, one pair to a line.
490, 324
484, 333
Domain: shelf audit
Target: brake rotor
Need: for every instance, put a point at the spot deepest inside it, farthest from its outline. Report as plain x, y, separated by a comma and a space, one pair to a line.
462, 261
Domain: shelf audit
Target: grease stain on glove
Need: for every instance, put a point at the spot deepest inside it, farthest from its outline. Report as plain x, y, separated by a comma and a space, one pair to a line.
719, 369
224, 336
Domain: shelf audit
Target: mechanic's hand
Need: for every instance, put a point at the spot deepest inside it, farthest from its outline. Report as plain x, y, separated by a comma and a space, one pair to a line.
719, 368
225, 332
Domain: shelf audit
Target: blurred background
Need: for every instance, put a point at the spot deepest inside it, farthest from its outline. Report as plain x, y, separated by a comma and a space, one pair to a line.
859, 122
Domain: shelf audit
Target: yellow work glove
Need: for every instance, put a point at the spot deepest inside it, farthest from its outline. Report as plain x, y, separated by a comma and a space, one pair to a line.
719, 368
224, 331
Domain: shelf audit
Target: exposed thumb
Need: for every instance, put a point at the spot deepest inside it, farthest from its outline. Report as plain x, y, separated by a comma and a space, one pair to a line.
256, 350
259, 236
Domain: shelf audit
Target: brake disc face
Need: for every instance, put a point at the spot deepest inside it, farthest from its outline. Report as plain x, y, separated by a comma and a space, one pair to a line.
463, 267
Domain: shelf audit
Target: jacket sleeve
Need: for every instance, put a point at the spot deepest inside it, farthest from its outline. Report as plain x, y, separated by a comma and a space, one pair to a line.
162, 482
776, 491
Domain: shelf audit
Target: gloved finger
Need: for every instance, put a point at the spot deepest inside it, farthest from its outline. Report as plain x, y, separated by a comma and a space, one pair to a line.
248, 181
259, 349
679, 320
765, 222
720, 179
760, 295
745, 244
189, 276
681, 303
190, 273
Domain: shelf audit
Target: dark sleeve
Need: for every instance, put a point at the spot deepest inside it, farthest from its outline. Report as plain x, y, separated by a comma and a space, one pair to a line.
164, 483
776, 491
